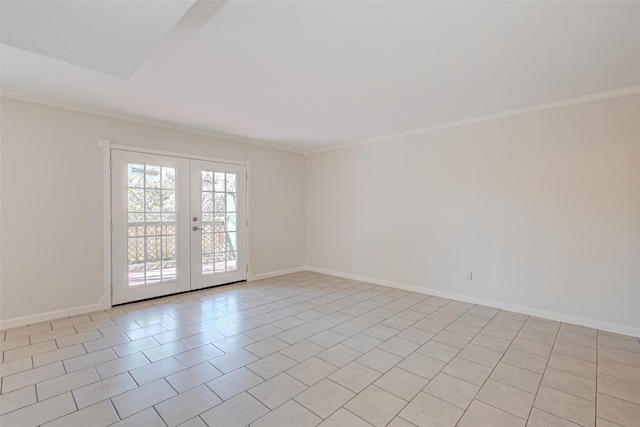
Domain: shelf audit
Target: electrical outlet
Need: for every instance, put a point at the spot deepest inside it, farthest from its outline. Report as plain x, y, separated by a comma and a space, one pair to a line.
469, 276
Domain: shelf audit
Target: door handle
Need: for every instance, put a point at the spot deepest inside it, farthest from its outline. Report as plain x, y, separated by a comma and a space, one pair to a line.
196, 228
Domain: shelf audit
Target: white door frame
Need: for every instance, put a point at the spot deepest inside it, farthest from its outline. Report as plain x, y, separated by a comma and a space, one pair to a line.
105, 144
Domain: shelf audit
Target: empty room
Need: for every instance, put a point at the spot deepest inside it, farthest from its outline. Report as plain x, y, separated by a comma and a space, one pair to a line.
319, 213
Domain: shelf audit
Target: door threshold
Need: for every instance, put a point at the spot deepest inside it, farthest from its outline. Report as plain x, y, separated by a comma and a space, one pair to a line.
178, 293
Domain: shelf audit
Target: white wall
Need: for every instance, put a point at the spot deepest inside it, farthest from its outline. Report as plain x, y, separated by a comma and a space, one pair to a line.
543, 208
52, 203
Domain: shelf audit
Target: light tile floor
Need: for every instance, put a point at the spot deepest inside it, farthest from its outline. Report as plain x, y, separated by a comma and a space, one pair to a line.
308, 349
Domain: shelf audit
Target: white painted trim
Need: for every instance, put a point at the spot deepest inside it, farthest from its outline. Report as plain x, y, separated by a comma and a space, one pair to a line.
1, 189
279, 273
179, 155
105, 144
509, 113
552, 315
281, 147
149, 121
50, 315
248, 216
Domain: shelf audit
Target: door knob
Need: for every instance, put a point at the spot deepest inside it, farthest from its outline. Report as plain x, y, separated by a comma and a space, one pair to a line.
196, 228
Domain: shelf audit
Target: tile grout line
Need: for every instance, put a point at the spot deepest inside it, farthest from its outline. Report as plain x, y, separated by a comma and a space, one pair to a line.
493, 369
545, 370
313, 289
616, 397
338, 368
369, 298
578, 397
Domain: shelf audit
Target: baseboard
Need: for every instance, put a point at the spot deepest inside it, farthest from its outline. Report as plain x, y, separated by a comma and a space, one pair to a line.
53, 315
279, 273
105, 302
530, 311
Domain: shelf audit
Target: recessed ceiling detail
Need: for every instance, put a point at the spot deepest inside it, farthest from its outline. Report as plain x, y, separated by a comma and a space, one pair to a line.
313, 74
110, 37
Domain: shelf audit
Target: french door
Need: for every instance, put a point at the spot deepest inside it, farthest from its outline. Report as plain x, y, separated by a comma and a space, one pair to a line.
178, 225
218, 223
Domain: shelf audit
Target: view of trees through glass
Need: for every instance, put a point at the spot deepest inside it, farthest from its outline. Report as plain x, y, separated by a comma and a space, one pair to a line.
219, 236
152, 224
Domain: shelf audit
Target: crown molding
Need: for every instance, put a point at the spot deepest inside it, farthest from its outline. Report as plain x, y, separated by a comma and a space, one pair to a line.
152, 122
632, 90
509, 113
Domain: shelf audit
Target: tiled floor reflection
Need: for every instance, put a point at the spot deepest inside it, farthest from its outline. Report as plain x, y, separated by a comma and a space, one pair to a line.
309, 349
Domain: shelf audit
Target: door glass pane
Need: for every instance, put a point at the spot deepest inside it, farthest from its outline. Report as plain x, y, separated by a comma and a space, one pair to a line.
219, 181
207, 264
231, 258
219, 202
152, 224
219, 242
168, 201
231, 241
168, 178
231, 222
231, 202
136, 200
219, 237
153, 200
152, 176
136, 176
152, 217
207, 201
231, 182
153, 271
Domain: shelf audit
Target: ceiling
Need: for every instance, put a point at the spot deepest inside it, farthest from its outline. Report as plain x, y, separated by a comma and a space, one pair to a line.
310, 74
